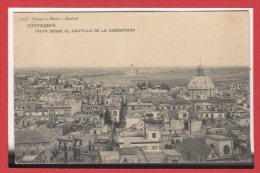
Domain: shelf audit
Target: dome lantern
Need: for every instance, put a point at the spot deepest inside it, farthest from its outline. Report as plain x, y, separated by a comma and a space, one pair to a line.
200, 70
200, 86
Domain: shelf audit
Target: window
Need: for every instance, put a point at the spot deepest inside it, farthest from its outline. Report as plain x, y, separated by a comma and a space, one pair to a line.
186, 125
125, 160
51, 112
153, 135
207, 115
133, 108
226, 149
114, 113
177, 141
144, 147
154, 147
66, 112
213, 155
211, 145
184, 115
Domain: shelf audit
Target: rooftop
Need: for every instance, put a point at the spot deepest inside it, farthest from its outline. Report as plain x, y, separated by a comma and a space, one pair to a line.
171, 152
218, 137
41, 134
196, 145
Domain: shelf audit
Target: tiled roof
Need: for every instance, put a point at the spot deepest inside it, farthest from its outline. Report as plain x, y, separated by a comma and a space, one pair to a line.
178, 102
220, 101
154, 156
174, 114
193, 101
35, 135
218, 137
196, 145
133, 140
109, 156
139, 103
171, 152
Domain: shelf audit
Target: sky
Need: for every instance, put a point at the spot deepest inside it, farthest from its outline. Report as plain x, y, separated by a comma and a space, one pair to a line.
160, 39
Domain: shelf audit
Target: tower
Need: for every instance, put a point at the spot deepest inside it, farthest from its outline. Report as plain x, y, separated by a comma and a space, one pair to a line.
200, 86
200, 70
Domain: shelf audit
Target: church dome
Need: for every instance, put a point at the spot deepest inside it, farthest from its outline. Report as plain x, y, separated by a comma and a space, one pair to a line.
200, 86
201, 82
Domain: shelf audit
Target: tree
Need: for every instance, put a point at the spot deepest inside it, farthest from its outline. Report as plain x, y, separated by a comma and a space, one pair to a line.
101, 115
141, 86
165, 86
107, 118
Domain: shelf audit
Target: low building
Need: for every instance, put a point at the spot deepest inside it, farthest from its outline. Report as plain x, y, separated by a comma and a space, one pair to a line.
130, 154
109, 156
211, 115
133, 120
20, 122
217, 131
135, 106
155, 156
150, 140
40, 142
223, 146
65, 148
195, 150
172, 156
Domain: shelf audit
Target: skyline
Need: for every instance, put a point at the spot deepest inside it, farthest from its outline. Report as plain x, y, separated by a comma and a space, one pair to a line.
138, 67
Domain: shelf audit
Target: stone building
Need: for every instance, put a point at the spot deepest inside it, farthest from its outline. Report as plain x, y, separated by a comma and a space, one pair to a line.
200, 86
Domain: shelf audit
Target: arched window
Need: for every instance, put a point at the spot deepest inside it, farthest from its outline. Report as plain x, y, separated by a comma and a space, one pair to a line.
226, 149
125, 160
177, 141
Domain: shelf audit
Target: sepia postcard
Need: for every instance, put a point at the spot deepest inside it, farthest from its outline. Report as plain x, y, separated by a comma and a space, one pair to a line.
118, 87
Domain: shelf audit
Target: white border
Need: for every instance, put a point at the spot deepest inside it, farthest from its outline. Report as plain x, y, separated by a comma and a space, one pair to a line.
11, 53
251, 51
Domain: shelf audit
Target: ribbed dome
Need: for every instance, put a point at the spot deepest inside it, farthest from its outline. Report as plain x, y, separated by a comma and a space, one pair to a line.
201, 82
